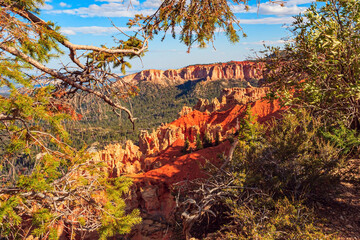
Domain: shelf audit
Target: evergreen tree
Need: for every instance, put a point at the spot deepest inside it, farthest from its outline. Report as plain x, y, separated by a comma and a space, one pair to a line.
186, 148
321, 64
199, 144
207, 140
217, 138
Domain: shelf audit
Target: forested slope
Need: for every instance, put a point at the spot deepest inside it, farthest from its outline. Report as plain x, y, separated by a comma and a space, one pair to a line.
154, 105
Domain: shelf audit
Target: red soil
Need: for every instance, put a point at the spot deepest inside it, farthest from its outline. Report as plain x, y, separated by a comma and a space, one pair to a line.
176, 167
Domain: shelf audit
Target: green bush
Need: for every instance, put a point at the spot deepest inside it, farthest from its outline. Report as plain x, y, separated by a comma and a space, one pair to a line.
290, 157
343, 138
321, 64
264, 218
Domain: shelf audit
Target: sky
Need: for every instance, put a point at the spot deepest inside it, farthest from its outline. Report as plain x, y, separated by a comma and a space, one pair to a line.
90, 22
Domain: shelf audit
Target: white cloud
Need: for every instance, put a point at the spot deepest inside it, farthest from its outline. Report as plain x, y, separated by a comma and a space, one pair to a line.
152, 3
111, 9
289, 7
62, 4
274, 9
295, 2
128, 2
46, 7
95, 30
240, 8
267, 42
268, 20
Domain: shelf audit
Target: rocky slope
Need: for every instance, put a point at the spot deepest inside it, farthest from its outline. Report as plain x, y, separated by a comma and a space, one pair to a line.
159, 162
243, 71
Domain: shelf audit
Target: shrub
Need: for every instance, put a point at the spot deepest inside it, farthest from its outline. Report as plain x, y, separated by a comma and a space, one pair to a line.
262, 217
289, 157
343, 138
321, 64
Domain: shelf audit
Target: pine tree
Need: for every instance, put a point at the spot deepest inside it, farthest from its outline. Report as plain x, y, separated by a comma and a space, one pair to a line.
186, 146
199, 144
42, 174
207, 140
217, 138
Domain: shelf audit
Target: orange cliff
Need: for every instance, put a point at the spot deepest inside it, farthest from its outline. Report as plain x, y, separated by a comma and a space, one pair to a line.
244, 71
158, 162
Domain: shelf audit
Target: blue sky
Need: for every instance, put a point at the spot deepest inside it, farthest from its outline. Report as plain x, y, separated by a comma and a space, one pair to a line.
88, 22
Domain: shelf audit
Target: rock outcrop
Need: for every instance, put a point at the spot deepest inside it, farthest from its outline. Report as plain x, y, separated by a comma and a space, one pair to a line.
120, 160
243, 71
231, 97
185, 111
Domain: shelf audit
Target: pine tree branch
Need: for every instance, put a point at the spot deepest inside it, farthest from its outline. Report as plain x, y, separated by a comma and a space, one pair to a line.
73, 47
67, 79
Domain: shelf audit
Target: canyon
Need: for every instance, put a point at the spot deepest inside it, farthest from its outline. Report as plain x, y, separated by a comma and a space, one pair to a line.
159, 162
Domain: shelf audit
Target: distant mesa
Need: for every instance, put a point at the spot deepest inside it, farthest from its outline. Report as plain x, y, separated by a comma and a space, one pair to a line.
243, 71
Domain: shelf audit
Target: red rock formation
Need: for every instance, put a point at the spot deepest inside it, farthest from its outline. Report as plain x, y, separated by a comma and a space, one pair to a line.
120, 160
184, 111
232, 70
231, 97
159, 162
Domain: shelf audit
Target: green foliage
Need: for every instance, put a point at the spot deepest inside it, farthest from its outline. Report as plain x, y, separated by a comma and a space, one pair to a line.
265, 218
114, 219
249, 129
41, 221
186, 148
320, 70
343, 138
197, 20
290, 157
207, 140
198, 142
42, 174
8, 214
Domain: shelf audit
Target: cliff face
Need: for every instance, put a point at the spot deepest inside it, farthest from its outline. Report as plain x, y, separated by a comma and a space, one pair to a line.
243, 71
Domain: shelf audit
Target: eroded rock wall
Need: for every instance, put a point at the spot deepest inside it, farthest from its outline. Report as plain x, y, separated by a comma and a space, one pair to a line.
243, 71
